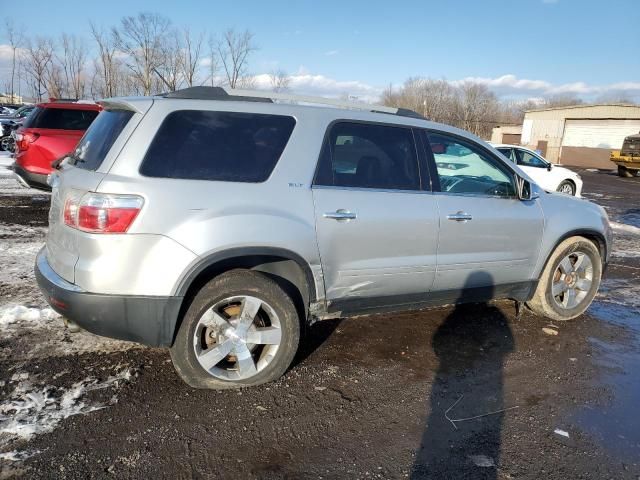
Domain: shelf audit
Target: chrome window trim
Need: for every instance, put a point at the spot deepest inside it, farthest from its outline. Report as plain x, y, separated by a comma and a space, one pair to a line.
367, 189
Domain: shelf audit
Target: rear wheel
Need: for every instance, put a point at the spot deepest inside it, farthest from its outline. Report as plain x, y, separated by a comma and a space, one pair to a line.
7, 143
567, 187
569, 281
625, 172
241, 330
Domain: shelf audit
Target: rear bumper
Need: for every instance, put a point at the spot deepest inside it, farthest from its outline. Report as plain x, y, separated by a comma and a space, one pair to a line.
29, 179
147, 320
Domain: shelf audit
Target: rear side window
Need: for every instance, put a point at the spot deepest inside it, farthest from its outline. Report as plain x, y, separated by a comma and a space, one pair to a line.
369, 156
60, 118
224, 146
99, 138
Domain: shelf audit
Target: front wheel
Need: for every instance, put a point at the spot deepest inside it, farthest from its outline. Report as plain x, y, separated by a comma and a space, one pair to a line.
569, 281
241, 329
567, 187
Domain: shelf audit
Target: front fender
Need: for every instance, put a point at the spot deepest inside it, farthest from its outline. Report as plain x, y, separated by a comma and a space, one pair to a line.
567, 216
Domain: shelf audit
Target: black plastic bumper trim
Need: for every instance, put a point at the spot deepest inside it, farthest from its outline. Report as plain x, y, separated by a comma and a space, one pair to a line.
149, 320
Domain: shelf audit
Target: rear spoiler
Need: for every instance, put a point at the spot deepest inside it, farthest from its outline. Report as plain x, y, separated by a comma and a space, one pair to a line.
134, 104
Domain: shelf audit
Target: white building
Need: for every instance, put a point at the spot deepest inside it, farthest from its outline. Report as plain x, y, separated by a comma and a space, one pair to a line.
580, 135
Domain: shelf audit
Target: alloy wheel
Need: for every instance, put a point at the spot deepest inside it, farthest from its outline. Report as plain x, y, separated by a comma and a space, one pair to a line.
237, 337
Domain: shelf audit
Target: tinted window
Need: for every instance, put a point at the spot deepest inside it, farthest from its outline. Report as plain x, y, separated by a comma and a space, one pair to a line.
371, 156
227, 146
529, 160
60, 118
97, 141
466, 168
507, 152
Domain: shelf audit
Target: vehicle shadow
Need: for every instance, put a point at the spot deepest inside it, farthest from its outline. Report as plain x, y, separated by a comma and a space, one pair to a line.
313, 337
462, 434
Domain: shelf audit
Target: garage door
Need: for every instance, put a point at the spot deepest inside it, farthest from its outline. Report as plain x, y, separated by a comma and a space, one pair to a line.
607, 134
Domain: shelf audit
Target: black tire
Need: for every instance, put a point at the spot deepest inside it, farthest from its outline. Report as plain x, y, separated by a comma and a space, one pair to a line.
568, 184
624, 172
543, 302
230, 284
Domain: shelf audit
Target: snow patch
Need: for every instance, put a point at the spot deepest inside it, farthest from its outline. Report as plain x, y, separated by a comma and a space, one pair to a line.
32, 410
623, 227
18, 313
16, 456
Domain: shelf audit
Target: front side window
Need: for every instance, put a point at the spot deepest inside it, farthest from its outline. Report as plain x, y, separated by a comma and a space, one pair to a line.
223, 146
369, 156
527, 159
465, 168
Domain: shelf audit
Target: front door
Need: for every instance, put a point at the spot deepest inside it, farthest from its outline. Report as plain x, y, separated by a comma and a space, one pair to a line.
377, 229
488, 237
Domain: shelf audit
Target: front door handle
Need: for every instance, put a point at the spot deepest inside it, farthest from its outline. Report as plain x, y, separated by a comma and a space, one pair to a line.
341, 214
459, 217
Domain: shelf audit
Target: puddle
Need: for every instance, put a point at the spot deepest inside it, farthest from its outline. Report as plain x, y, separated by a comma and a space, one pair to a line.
615, 424
631, 217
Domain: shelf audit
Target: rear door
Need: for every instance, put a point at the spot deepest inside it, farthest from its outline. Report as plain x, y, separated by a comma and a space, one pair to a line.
377, 228
488, 237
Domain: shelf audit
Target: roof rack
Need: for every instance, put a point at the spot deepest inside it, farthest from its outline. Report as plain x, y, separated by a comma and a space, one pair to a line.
221, 93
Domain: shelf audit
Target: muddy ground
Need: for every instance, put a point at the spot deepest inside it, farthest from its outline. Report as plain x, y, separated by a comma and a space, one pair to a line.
464, 392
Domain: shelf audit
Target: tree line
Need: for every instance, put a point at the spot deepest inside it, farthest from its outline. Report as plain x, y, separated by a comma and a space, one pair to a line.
144, 54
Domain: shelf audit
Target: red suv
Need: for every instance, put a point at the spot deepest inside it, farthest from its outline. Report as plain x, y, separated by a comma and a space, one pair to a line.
51, 131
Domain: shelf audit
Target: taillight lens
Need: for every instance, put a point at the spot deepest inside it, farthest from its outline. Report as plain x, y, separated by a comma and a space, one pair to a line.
101, 212
23, 140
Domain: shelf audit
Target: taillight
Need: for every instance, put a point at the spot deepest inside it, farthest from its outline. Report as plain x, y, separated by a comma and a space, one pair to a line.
101, 212
23, 140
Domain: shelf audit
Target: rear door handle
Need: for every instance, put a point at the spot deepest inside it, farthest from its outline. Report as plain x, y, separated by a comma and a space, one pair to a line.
459, 217
341, 214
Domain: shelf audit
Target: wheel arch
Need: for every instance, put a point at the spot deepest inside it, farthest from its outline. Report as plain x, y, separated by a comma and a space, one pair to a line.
292, 272
593, 236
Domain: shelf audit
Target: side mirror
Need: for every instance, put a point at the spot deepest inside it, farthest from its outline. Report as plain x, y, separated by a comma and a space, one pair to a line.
526, 189
549, 167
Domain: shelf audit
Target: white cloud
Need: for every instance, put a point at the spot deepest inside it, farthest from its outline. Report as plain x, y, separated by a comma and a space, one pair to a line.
508, 85
305, 83
331, 53
550, 1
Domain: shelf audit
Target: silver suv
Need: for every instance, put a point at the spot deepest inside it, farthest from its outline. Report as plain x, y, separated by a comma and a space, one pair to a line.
220, 223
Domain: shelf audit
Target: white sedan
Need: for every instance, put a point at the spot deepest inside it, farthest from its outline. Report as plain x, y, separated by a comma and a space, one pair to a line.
549, 176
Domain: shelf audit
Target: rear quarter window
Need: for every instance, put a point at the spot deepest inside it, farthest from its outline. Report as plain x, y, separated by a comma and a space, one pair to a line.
60, 118
223, 146
99, 138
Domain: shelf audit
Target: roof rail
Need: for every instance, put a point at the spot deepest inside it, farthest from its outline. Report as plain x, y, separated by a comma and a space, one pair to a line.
221, 93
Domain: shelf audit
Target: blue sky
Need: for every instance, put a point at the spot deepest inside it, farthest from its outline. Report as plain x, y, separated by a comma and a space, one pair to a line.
585, 47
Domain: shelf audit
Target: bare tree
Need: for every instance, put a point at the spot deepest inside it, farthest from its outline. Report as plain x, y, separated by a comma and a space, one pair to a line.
234, 50
214, 63
279, 80
72, 61
170, 67
191, 55
142, 38
15, 42
477, 109
37, 62
106, 65
562, 100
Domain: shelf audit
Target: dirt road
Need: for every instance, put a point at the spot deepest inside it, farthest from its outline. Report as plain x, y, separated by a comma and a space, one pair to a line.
465, 392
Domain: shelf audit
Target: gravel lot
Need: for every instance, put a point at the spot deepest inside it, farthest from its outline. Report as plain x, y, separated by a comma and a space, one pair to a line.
464, 392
